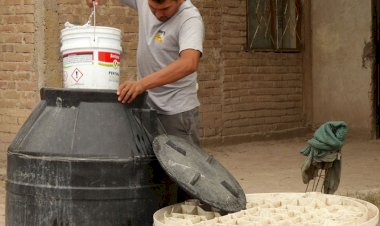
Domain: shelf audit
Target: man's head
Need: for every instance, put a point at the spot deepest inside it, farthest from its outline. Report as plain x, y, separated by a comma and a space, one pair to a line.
163, 10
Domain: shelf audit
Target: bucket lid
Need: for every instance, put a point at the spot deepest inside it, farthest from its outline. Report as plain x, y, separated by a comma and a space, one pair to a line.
198, 173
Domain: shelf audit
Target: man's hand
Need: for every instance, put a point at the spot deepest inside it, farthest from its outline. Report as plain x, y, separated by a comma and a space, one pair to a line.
90, 3
129, 90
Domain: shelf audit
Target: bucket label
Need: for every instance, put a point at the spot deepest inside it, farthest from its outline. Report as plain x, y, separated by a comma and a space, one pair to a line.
108, 59
91, 69
77, 57
77, 75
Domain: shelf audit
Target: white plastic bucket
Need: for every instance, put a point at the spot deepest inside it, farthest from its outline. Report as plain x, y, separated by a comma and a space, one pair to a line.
91, 57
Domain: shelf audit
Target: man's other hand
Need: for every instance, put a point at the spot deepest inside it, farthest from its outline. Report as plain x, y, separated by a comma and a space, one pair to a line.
129, 90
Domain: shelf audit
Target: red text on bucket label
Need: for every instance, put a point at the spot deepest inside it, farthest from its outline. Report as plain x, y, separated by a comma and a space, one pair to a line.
78, 57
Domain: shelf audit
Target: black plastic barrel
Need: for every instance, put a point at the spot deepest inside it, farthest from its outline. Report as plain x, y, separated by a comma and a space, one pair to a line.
83, 159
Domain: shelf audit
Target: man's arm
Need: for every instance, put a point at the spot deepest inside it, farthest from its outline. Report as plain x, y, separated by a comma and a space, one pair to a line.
186, 64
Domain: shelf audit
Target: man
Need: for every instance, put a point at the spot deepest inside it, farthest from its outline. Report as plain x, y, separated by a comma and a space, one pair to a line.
170, 46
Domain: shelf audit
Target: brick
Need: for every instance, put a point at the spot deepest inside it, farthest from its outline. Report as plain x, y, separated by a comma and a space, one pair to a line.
6, 138
19, 19
7, 85
231, 101
29, 2
7, 48
6, 66
11, 38
25, 48
8, 119
26, 86
16, 57
231, 86
14, 112
28, 38
9, 128
7, 28
277, 113
68, 2
26, 28
239, 93
24, 9
13, 2
256, 121
290, 118
246, 107
240, 122
22, 66
19, 76
295, 69
9, 10
27, 104
209, 132
295, 97
210, 100
22, 120
208, 123
246, 114
10, 94
272, 120
3, 148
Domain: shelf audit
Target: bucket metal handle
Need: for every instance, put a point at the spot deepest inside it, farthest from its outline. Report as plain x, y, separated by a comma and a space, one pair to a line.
94, 8
93, 16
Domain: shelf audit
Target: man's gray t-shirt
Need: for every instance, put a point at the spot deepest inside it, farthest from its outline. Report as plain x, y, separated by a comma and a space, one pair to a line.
160, 43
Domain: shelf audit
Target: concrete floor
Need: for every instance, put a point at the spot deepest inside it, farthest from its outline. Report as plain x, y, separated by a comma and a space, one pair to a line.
275, 166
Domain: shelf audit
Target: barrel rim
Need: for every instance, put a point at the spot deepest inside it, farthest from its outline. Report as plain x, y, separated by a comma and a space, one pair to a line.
36, 156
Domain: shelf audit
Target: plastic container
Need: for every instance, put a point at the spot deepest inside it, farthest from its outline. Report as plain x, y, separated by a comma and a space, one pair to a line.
82, 158
91, 57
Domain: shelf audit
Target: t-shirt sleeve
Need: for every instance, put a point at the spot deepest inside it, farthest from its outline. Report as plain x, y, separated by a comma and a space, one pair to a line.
191, 35
130, 3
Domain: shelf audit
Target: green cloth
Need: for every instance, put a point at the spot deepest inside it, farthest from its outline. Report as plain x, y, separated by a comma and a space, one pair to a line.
323, 152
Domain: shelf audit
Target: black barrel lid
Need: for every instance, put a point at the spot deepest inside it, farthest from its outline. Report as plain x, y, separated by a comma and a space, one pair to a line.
198, 173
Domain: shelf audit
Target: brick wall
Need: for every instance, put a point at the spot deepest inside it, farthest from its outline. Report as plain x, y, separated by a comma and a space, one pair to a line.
18, 72
244, 95
211, 71
257, 95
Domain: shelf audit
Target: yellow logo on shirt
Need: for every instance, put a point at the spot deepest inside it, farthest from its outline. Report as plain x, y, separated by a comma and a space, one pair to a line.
160, 36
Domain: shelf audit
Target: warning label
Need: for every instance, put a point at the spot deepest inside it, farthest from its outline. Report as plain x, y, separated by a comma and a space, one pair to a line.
77, 57
77, 75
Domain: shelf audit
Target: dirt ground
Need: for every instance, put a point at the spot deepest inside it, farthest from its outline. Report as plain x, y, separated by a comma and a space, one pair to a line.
275, 166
